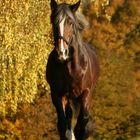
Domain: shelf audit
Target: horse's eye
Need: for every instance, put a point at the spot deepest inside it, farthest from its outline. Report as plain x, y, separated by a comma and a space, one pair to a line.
70, 23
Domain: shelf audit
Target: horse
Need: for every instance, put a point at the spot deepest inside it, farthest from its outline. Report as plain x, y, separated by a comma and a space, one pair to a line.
72, 71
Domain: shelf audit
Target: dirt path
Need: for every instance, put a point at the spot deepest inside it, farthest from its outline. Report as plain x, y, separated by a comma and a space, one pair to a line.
40, 121
40, 124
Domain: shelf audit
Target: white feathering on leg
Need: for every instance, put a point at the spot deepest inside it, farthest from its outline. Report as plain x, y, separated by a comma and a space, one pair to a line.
70, 135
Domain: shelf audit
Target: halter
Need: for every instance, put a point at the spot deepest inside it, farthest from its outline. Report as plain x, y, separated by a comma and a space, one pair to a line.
68, 44
64, 39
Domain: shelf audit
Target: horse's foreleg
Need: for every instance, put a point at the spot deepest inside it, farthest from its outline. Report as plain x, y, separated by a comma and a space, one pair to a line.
62, 121
83, 118
68, 112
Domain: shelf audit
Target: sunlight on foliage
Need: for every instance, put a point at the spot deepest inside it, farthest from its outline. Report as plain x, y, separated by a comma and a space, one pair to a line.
26, 41
25, 44
116, 103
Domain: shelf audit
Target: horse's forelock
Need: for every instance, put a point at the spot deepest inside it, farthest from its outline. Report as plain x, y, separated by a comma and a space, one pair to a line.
80, 22
64, 11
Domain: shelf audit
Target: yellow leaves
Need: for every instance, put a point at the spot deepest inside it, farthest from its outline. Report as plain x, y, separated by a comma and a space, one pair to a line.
8, 125
9, 38
26, 4
24, 49
10, 130
68, 1
25, 43
121, 50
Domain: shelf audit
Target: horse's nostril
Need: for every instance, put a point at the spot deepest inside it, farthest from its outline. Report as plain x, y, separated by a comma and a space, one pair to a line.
66, 52
60, 52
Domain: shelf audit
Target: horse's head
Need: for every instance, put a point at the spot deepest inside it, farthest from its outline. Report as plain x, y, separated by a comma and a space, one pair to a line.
63, 21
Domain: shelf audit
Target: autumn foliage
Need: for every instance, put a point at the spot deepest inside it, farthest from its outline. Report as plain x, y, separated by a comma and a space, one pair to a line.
26, 41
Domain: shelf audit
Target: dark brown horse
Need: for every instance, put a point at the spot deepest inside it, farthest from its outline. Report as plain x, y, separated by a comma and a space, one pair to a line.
72, 71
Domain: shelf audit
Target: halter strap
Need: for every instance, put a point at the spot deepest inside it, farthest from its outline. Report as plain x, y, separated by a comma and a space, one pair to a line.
61, 37
68, 43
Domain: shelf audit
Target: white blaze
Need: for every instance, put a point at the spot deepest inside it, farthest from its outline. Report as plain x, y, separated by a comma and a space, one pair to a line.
62, 49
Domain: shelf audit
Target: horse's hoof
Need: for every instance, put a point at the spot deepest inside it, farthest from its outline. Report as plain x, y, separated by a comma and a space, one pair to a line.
70, 135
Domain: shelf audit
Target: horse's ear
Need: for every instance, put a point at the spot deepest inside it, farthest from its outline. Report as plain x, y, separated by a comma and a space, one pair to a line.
53, 4
75, 6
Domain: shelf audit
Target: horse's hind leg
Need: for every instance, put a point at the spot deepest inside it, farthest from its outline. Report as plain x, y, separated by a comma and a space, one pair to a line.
82, 121
81, 129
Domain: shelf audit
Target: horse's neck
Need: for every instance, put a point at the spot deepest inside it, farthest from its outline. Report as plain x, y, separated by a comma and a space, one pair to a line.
77, 50
78, 62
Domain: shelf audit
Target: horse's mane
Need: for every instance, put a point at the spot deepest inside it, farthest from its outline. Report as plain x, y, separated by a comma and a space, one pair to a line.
82, 23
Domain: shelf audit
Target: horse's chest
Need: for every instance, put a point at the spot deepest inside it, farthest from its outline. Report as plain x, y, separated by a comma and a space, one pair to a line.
65, 83
62, 81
